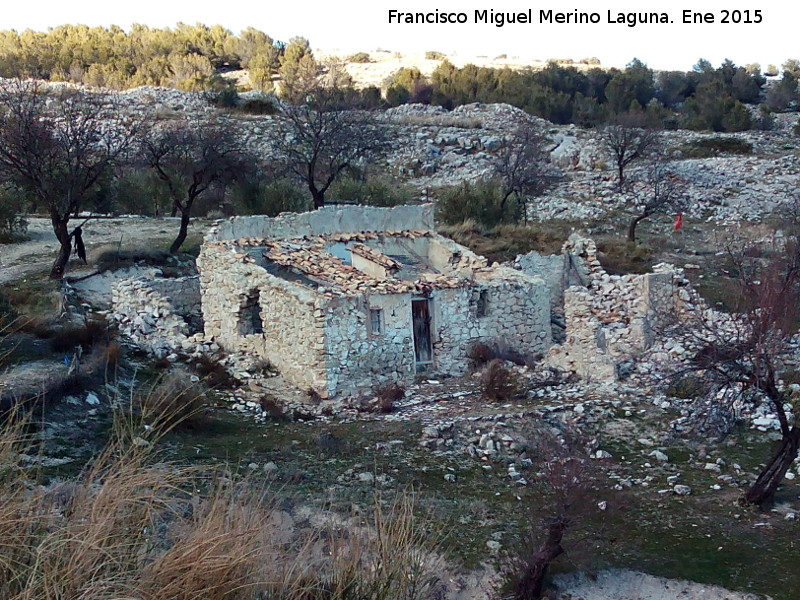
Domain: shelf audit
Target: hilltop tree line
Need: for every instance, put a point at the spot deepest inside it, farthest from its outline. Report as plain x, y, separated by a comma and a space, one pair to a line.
189, 57
703, 98
194, 57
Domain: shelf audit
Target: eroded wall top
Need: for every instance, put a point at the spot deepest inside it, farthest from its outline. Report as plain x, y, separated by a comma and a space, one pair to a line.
325, 221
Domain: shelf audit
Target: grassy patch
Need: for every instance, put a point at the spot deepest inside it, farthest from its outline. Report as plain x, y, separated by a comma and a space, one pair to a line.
505, 242
707, 147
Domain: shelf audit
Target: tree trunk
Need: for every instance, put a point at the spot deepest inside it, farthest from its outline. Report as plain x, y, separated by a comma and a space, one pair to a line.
621, 175
530, 584
62, 234
318, 196
176, 245
763, 490
632, 227
174, 211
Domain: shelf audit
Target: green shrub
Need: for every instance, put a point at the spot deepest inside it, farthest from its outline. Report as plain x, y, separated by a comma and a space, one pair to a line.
258, 198
139, 193
621, 257
714, 146
12, 204
359, 57
434, 55
225, 96
481, 202
376, 191
687, 387
258, 106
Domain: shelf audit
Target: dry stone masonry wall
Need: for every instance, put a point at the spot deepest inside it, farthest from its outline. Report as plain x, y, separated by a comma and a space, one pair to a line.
155, 313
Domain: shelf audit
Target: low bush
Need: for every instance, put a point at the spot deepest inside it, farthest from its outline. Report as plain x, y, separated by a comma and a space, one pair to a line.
258, 106
714, 146
506, 242
85, 336
12, 204
255, 197
375, 191
213, 373
387, 396
111, 257
176, 400
621, 257
359, 57
687, 387
498, 383
482, 353
480, 202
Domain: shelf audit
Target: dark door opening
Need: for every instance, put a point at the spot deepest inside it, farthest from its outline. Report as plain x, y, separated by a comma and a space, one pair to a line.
421, 324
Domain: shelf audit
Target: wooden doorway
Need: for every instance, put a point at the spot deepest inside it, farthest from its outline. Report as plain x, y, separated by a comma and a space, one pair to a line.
421, 325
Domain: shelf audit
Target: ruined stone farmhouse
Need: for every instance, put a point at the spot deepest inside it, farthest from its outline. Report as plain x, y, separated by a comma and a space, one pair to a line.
346, 299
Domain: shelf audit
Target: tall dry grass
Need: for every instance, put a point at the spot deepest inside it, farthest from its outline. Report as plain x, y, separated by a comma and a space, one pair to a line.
132, 527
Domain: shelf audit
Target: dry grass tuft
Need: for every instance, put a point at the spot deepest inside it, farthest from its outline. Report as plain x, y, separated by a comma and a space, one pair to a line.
176, 400
387, 396
498, 383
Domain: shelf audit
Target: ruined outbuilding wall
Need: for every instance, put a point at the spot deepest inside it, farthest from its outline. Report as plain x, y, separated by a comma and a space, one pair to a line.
505, 310
614, 318
154, 313
325, 221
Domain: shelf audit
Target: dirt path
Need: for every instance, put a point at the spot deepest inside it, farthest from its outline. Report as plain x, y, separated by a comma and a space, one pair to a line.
37, 253
630, 585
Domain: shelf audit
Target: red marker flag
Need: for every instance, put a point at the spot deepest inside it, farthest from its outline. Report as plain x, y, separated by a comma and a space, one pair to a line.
678, 222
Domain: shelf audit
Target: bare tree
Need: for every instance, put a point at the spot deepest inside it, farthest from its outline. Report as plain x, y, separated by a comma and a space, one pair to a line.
627, 141
56, 146
322, 137
521, 166
190, 158
657, 191
749, 351
566, 480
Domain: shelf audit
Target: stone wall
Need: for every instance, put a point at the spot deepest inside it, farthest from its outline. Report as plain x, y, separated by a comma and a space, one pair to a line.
292, 317
511, 313
613, 318
155, 313
517, 315
325, 221
359, 359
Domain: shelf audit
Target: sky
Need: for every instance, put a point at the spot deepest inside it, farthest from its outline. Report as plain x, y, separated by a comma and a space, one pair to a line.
350, 25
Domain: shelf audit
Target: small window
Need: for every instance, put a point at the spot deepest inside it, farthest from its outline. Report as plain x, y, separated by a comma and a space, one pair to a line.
376, 321
250, 320
482, 304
